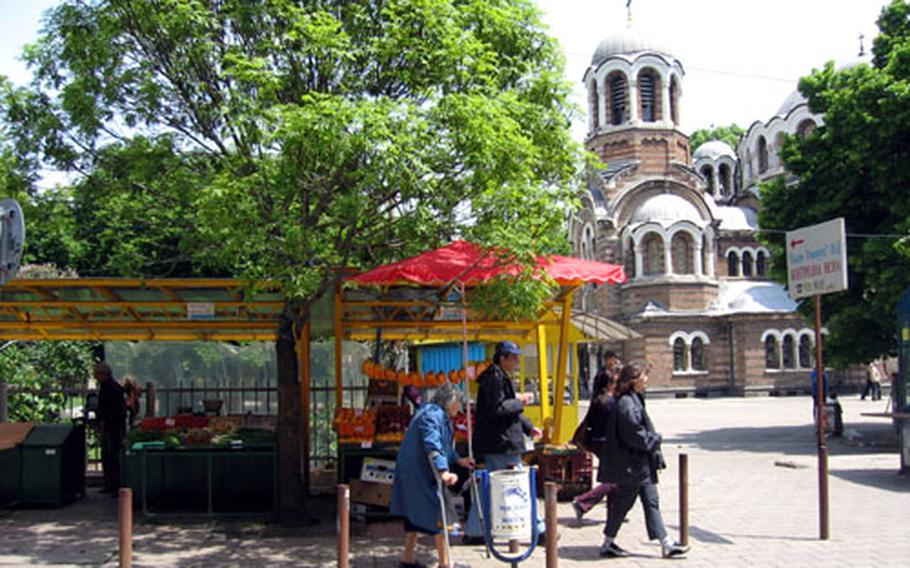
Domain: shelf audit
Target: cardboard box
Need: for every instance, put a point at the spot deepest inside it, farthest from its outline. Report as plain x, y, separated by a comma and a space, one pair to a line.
378, 471
370, 493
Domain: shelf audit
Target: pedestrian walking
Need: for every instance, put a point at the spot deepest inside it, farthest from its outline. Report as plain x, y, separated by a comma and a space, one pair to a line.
602, 403
414, 493
633, 459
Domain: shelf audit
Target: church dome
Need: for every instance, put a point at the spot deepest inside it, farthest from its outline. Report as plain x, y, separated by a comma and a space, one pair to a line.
713, 150
791, 102
626, 43
666, 207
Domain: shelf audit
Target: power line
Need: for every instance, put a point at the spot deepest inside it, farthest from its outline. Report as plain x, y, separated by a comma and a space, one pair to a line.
848, 235
724, 72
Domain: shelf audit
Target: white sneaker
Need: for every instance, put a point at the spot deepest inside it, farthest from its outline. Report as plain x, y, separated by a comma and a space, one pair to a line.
673, 549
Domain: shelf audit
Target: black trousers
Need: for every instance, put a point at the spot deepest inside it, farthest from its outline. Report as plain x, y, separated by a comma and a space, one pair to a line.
111, 442
875, 388
620, 502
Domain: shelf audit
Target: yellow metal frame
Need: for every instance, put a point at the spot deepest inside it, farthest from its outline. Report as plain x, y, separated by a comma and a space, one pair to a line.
138, 310
419, 319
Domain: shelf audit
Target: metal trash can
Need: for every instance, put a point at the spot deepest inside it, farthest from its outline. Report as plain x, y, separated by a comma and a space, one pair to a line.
53, 465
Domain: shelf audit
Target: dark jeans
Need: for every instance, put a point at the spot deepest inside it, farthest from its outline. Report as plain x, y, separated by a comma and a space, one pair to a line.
876, 389
111, 442
622, 499
587, 501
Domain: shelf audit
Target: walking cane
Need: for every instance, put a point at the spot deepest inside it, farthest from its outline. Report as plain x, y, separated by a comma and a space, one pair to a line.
440, 488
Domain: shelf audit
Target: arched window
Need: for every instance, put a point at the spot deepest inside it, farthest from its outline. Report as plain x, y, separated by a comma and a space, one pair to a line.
772, 359
649, 95
760, 263
630, 259
680, 355
732, 263
806, 128
619, 91
683, 253
698, 354
762, 155
674, 101
653, 245
788, 348
595, 104
805, 351
707, 172
726, 180
747, 264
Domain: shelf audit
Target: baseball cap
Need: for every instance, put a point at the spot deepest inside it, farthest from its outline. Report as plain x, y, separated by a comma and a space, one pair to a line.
507, 348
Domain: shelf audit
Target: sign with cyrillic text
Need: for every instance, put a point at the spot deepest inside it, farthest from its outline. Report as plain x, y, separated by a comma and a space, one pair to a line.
817, 259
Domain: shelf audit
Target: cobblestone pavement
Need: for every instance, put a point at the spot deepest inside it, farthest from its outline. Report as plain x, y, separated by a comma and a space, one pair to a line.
753, 493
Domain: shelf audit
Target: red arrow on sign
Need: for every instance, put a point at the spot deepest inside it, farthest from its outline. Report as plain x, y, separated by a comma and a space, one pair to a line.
794, 243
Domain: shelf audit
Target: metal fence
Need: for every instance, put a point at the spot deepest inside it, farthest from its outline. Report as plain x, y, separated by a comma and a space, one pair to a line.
243, 399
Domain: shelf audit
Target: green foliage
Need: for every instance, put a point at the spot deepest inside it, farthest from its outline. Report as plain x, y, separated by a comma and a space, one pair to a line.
283, 139
36, 372
516, 297
856, 166
729, 134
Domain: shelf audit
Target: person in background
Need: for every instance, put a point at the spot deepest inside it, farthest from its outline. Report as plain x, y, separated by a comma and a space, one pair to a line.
132, 392
608, 373
501, 427
602, 403
633, 458
875, 374
414, 493
112, 418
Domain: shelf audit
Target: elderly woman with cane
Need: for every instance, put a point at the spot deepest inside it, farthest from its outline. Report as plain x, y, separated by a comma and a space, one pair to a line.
428, 445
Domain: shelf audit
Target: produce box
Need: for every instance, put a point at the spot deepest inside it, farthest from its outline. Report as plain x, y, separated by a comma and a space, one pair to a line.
382, 388
370, 493
377, 470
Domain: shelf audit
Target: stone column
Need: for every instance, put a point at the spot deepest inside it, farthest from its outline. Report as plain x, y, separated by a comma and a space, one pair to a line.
699, 268
639, 260
633, 101
668, 257
602, 101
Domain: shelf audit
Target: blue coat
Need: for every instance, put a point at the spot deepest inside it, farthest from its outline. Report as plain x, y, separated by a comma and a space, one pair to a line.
414, 492
633, 445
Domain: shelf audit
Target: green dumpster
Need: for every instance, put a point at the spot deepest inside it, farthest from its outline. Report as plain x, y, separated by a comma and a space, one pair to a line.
53, 465
11, 438
10, 474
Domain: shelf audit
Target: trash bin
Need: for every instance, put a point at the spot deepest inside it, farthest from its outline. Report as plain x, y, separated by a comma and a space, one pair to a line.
53, 465
11, 437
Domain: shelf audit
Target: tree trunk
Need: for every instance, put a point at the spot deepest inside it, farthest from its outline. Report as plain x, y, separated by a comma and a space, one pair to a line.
290, 494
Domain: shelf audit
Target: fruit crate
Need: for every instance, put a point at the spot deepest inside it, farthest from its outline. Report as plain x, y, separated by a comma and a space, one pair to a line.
571, 469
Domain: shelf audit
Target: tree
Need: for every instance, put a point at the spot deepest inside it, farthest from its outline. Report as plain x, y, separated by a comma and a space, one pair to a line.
332, 133
855, 166
729, 134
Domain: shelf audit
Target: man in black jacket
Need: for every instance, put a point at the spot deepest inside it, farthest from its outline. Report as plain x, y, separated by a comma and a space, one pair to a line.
112, 415
501, 427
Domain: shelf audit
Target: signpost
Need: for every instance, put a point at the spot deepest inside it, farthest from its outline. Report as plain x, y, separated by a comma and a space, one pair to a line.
816, 265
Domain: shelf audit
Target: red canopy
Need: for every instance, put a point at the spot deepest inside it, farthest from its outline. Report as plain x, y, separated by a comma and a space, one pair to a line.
466, 262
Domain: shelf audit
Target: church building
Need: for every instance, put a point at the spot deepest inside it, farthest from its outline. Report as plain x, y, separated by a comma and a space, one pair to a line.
683, 222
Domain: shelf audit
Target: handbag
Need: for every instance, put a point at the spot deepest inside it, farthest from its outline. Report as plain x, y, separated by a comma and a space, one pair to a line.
582, 435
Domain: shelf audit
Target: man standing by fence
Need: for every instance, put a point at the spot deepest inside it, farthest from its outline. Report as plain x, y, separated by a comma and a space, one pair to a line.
112, 415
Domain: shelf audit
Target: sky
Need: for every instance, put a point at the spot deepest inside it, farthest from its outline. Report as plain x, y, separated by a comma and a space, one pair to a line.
741, 57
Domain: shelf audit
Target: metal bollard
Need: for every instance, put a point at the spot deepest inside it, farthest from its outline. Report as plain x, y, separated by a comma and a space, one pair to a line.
344, 525
551, 519
125, 520
684, 499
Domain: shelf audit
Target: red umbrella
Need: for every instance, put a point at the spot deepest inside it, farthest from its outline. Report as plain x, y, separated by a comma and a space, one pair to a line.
471, 264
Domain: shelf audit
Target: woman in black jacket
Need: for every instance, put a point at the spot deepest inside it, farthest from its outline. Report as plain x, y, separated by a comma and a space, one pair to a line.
633, 460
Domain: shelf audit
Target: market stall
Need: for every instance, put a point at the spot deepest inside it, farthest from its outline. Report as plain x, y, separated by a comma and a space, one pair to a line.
424, 300
182, 463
